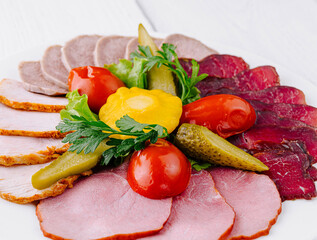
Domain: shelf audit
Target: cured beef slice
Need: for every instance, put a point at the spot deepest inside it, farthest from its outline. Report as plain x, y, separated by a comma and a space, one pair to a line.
187, 47
13, 94
289, 173
200, 212
110, 49
312, 171
34, 81
16, 185
300, 112
28, 150
276, 94
249, 80
254, 198
53, 68
100, 207
79, 51
217, 65
133, 44
29, 123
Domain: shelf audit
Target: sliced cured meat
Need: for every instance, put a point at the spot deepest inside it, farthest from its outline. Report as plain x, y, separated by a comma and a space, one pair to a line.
110, 49
289, 173
276, 94
249, 80
13, 94
79, 51
106, 203
254, 198
27, 150
188, 47
200, 212
133, 44
218, 65
16, 185
53, 68
34, 81
300, 112
312, 171
29, 123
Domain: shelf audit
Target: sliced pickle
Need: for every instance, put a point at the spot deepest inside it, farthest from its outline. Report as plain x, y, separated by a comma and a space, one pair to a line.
158, 78
70, 163
202, 144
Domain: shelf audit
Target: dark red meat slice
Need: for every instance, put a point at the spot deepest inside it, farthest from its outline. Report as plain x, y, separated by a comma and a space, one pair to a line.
289, 172
254, 198
99, 207
312, 171
300, 112
276, 94
217, 65
199, 213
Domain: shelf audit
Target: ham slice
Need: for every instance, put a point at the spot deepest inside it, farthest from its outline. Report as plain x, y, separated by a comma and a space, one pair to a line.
16, 185
188, 47
110, 49
133, 44
79, 51
53, 67
29, 123
13, 94
200, 212
34, 81
254, 199
27, 150
102, 206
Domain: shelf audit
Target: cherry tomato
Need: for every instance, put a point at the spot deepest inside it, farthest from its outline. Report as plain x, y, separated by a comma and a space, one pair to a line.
223, 114
160, 170
98, 83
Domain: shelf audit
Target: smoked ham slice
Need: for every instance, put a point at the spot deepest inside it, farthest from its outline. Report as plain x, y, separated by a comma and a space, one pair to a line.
79, 51
187, 47
13, 94
34, 81
254, 199
102, 206
53, 67
133, 44
200, 212
16, 185
110, 49
28, 150
29, 123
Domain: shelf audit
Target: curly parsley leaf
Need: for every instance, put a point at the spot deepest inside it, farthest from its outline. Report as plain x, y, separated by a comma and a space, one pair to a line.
198, 166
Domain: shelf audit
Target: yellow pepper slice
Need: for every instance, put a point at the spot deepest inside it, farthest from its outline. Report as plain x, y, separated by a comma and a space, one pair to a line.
144, 106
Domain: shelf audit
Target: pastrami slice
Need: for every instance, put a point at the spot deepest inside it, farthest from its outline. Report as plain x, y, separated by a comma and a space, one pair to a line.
254, 198
100, 207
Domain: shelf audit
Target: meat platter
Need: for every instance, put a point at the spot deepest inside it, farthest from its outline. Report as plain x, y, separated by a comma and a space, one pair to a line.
296, 219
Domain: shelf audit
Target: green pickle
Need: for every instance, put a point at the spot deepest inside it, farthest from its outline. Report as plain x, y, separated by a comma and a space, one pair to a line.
202, 144
70, 163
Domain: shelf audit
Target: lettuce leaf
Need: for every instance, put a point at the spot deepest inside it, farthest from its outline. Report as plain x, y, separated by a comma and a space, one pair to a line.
78, 106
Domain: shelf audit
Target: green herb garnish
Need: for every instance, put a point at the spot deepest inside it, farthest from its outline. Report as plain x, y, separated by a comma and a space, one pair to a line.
198, 166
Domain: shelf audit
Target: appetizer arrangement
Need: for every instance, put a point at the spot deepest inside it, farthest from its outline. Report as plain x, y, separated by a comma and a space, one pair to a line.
156, 138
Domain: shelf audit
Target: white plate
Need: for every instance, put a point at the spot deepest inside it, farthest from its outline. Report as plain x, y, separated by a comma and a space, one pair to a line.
297, 220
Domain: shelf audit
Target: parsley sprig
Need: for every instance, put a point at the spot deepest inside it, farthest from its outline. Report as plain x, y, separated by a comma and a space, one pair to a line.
186, 85
87, 135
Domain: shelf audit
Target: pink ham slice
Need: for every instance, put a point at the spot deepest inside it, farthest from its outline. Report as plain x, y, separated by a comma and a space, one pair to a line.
198, 213
110, 49
189, 47
254, 199
29, 123
79, 51
34, 81
102, 206
133, 44
13, 94
28, 150
53, 67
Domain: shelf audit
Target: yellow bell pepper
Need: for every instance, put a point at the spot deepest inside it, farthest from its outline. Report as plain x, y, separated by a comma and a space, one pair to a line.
144, 106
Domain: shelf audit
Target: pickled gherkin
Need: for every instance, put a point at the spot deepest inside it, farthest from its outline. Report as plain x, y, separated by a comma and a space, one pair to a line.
202, 144
70, 163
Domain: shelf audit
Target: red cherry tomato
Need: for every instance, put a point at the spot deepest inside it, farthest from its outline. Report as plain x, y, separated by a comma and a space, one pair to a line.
160, 170
98, 83
223, 114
